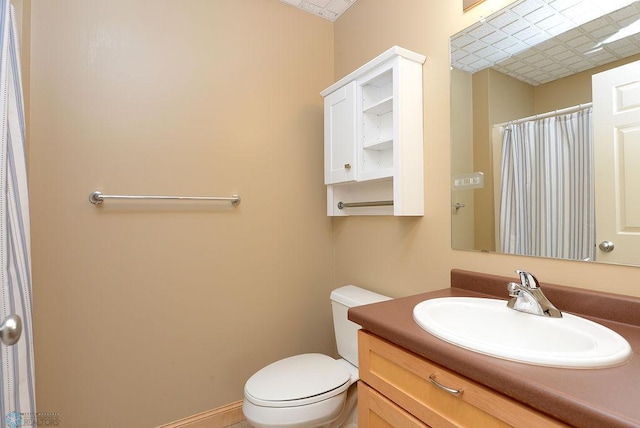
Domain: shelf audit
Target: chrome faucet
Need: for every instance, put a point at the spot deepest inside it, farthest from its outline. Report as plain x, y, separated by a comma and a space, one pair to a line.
528, 297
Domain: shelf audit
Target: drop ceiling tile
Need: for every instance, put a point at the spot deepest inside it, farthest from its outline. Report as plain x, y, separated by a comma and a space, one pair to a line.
320, 3
506, 43
528, 33
561, 5
535, 58
542, 14
517, 48
554, 68
310, 7
537, 39
566, 57
502, 19
462, 41
476, 46
553, 50
339, 6
467, 61
487, 51
457, 55
525, 8
515, 27
550, 21
494, 37
603, 57
518, 66
574, 13
497, 56
626, 15
575, 62
579, 40
328, 9
599, 28
482, 31
480, 64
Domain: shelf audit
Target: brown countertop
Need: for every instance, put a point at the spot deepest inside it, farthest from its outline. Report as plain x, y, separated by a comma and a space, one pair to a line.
607, 397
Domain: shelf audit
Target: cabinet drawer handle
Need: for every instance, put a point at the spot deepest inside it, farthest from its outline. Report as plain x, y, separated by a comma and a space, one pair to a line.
347, 166
456, 392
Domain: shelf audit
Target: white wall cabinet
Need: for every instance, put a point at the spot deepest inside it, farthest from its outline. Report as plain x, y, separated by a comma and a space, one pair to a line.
374, 137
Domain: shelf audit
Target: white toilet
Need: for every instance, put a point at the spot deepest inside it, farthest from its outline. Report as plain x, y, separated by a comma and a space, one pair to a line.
312, 390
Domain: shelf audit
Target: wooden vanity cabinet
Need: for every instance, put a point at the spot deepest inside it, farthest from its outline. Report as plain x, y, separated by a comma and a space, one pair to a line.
396, 391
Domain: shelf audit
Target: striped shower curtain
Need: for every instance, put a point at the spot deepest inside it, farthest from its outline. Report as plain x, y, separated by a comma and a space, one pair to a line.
547, 195
16, 362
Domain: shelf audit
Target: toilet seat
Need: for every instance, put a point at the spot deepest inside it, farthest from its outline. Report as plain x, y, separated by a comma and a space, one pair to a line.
297, 381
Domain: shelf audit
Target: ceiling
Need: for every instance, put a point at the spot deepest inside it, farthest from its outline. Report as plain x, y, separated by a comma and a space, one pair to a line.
538, 41
327, 9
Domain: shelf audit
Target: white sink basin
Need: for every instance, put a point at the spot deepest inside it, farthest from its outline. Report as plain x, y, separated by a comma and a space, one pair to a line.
487, 326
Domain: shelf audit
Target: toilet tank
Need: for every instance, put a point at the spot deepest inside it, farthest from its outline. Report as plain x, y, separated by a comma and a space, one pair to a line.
346, 331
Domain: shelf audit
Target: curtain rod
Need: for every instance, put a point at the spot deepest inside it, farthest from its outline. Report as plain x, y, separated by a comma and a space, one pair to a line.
548, 114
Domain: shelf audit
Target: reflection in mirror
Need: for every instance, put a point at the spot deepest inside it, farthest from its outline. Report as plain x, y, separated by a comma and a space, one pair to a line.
542, 164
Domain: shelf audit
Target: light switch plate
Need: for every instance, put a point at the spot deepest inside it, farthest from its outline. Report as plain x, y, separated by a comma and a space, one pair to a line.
474, 180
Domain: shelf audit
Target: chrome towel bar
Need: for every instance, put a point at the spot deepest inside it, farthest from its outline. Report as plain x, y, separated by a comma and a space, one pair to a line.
342, 205
98, 197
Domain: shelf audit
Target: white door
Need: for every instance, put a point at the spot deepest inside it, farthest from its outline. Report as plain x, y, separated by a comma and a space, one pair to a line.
616, 113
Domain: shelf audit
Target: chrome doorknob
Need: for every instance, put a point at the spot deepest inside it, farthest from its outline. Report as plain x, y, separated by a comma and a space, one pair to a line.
606, 246
10, 330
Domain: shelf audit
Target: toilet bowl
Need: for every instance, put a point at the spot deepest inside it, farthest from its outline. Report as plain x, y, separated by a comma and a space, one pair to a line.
312, 390
307, 390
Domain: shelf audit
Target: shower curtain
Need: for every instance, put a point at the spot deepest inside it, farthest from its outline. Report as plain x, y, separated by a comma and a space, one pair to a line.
17, 392
547, 197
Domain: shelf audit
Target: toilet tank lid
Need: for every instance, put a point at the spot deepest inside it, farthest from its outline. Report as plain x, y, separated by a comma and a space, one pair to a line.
351, 296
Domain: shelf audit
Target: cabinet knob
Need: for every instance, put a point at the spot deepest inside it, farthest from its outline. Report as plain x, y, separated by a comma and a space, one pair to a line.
347, 166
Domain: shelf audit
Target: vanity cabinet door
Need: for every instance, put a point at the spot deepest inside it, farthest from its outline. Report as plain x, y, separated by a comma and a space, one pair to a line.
376, 411
404, 378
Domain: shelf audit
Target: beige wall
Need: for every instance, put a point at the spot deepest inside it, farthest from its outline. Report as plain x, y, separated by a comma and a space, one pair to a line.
497, 98
402, 256
462, 220
146, 313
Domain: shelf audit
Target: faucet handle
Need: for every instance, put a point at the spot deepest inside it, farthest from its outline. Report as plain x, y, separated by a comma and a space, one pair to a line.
527, 279
514, 289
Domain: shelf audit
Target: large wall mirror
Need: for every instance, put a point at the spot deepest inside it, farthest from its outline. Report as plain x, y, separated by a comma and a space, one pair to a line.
545, 131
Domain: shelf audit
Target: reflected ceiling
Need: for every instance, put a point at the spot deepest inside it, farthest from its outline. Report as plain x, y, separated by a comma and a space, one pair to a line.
539, 41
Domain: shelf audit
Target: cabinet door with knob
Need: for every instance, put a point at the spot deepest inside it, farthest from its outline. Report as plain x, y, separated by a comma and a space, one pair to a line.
340, 135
